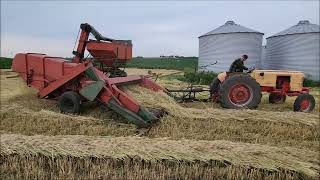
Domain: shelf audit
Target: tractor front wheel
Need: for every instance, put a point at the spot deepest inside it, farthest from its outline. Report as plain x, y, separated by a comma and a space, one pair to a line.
69, 102
304, 103
240, 91
275, 98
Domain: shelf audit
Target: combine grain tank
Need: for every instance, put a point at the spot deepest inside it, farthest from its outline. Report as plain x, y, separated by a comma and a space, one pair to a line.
296, 48
228, 42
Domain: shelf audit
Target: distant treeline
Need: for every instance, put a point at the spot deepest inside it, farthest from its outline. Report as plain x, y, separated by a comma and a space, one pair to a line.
5, 63
142, 63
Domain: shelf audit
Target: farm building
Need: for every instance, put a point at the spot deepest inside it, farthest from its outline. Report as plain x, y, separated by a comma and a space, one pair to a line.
296, 48
228, 42
263, 56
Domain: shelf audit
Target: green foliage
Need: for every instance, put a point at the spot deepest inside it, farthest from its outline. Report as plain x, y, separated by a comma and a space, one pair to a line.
311, 83
5, 63
181, 63
202, 77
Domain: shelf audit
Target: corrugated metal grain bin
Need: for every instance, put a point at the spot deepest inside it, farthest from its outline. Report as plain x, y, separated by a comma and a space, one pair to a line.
296, 48
263, 57
228, 42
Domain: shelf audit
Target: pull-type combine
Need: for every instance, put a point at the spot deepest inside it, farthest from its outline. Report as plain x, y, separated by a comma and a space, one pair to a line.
74, 82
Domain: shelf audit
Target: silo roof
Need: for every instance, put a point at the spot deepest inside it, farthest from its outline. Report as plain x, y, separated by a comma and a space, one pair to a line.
231, 27
301, 28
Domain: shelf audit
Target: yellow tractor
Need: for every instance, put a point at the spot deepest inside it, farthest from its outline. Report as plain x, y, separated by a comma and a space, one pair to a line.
243, 90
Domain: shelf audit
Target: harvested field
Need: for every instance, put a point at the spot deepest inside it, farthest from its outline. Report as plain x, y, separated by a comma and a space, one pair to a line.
206, 127
250, 126
252, 158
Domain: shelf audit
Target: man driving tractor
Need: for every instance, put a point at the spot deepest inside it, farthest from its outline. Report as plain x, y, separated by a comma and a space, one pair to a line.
236, 66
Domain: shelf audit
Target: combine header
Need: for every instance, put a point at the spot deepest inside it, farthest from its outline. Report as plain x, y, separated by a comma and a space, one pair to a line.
76, 81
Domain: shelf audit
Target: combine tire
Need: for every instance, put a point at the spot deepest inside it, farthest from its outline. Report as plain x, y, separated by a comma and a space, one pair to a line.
69, 102
118, 73
240, 91
275, 98
304, 103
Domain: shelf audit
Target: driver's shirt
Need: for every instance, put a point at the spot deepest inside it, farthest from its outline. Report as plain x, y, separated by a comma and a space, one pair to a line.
237, 66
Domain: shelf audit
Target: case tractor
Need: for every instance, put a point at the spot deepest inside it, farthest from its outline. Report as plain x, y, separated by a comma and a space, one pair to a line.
245, 90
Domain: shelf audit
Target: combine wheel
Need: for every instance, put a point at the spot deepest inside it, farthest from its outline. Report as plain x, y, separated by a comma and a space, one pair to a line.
240, 91
69, 102
158, 112
118, 73
304, 103
275, 98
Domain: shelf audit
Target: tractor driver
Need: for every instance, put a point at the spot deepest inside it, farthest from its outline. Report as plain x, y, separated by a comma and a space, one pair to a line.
238, 64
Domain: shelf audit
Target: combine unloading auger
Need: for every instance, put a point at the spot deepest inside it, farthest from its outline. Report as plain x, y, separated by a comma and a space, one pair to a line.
73, 82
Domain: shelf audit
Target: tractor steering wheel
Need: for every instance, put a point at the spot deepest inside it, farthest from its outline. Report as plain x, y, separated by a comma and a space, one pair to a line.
250, 70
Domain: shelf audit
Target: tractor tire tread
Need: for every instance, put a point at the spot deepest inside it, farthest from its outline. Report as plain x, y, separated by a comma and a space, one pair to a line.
74, 98
233, 79
300, 98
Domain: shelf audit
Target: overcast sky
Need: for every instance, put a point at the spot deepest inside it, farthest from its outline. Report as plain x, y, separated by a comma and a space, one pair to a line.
156, 28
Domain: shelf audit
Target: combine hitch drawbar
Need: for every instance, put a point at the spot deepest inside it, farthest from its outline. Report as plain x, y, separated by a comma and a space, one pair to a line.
187, 94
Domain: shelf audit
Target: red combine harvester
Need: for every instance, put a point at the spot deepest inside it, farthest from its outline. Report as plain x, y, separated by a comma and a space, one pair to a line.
72, 83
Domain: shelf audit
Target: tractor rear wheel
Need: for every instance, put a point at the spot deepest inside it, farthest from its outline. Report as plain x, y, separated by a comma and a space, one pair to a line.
69, 102
275, 98
304, 103
214, 90
240, 91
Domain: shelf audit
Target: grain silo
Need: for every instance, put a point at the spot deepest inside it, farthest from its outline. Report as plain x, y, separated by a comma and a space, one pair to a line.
296, 48
263, 57
228, 42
